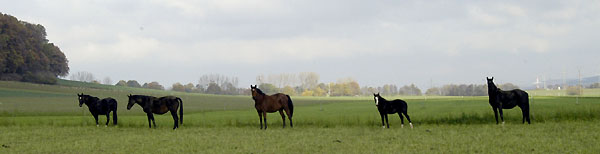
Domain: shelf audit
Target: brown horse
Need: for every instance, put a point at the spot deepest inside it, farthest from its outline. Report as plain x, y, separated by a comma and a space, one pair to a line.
162, 105
276, 102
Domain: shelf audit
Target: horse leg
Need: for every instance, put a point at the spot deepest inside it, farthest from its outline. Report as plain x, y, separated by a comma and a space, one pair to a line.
96, 117
260, 118
175, 119
496, 114
107, 119
149, 115
525, 111
501, 115
282, 117
401, 119
382, 122
153, 121
289, 117
265, 118
408, 118
386, 121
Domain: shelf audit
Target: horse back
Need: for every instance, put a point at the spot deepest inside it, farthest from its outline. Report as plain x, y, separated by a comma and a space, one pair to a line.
512, 98
272, 103
162, 104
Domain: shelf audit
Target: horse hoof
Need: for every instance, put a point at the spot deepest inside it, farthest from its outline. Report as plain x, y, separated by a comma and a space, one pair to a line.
402, 126
105, 126
411, 125
383, 127
97, 125
502, 122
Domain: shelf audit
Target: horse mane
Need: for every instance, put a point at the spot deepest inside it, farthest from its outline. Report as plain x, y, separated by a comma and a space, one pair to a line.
260, 91
382, 99
94, 99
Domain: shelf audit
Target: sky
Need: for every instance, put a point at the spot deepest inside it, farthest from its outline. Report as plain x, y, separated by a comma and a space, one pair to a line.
426, 43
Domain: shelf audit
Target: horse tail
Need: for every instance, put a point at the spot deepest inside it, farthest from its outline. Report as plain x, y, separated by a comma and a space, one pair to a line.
115, 112
290, 105
180, 110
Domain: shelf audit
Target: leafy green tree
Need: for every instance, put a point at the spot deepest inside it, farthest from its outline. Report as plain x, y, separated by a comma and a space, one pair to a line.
268, 88
289, 90
189, 87
133, 83
121, 83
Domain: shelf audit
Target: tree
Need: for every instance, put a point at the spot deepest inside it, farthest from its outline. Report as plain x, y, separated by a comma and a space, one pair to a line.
411, 90
107, 81
213, 88
433, 91
189, 87
308, 80
133, 83
178, 87
121, 83
83, 76
289, 90
268, 88
153, 85
26, 55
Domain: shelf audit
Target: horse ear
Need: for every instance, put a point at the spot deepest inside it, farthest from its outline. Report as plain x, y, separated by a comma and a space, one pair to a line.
492, 78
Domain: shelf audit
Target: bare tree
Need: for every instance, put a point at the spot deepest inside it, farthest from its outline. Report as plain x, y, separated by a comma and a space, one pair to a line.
82, 76
107, 81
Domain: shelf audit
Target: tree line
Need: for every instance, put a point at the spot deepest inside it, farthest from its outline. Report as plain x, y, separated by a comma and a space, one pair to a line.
299, 84
26, 55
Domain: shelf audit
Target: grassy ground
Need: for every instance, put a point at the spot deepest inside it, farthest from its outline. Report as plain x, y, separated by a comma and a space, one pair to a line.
46, 119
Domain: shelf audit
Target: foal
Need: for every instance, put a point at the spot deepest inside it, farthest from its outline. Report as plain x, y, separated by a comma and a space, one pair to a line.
386, 107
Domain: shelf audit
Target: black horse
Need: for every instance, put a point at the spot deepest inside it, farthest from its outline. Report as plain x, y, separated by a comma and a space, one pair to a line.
500, 99
162, 105
386, 107
99, 107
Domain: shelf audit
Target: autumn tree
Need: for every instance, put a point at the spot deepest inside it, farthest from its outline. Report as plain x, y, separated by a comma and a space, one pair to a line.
26, 55
133, 83
121, 83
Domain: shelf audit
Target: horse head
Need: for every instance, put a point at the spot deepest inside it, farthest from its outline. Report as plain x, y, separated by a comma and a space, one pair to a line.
81, 99
132, 101
376, 96
255, 91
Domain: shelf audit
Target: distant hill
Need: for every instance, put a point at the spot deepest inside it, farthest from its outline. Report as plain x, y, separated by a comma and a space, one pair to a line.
585, 81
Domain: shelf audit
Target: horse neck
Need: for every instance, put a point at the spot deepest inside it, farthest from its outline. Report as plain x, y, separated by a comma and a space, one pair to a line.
260, 98
91, 101
381, 99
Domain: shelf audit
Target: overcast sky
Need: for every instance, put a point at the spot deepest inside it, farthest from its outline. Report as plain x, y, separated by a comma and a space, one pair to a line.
375, 42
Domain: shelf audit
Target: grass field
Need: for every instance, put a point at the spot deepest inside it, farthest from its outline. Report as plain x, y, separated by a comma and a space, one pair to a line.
46, 119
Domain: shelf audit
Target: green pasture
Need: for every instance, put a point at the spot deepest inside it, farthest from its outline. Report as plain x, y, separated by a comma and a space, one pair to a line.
47, 119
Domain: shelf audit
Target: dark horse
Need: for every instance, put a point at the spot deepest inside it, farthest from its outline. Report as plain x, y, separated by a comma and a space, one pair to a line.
500, 99
162, 105
99, 107
386, 107
276, 102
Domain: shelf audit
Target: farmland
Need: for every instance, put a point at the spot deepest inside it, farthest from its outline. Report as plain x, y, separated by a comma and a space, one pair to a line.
46, 119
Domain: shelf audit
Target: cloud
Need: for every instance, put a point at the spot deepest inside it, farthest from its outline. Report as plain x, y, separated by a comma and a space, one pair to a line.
207, 34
